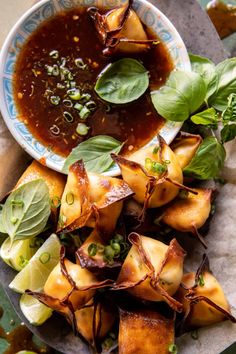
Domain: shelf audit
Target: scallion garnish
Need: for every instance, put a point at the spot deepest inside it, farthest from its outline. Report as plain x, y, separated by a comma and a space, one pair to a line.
85, 97
116, 247
173, 349
78, 106
45, 257
84, 113
23, 261
109, 254
70, 198
92, 249
82, 129
68, 117
80, 63
201, 280
91, 105
154, 166
55, 100
155, 150
54, 54
67, 103
74, 94
55, 70
54, 129
60, 86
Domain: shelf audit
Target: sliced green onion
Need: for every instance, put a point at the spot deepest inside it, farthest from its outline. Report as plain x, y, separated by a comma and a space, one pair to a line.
70, 76
155, 150
72, 84
68, 117
154, 166
78, 106
74, 94
54, 129
100, 248
55, 70
54, 54
173, 349
82, 129
55, 100
45, 257
84, 113
23, 261
60, 86
201, 280
91, 105
109, 253
116, 247
67, 103
55, 202
70, 198
119, 238
92, 249
63, 62
85, 97
80, 63
148, 164
49, 69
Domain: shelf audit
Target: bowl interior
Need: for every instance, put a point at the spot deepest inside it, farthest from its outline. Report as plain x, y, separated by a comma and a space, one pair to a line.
42, 11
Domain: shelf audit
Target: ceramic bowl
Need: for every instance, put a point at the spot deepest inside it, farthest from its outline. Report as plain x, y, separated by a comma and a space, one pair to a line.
29, 22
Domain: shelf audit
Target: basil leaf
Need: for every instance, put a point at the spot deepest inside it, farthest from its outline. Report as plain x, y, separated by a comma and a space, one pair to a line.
208, 160
123, 81
229, 114
207, 117
183, 94
26, 210
207, 69
228, 133
227, 84
95, 152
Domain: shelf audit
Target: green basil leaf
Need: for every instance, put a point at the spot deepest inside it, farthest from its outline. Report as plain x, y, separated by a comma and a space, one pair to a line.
207, 69
208, 160
228, 133
229, 114
26, 210
123, 81
207, 117
226, 85
95, 152
183, 93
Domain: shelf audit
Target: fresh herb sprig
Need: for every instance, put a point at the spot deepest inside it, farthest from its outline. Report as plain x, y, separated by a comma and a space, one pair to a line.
206, 96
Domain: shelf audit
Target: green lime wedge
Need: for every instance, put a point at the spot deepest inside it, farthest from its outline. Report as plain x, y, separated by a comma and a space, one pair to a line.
35, 312
34, 275
26, 352
19, 254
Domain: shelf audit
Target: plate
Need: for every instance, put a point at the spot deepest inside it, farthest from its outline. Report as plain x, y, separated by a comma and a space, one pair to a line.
201, 38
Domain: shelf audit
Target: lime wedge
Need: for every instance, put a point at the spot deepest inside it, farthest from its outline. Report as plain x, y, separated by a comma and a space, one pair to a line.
35, 312
18, 255
26, 352
34, 275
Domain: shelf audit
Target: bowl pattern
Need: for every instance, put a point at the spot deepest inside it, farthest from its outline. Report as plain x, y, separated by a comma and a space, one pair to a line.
40, 12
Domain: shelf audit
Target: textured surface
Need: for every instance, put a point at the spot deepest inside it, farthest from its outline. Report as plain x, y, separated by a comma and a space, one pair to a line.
201, 38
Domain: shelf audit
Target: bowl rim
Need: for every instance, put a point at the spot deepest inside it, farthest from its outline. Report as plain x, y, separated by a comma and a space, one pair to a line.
3, 107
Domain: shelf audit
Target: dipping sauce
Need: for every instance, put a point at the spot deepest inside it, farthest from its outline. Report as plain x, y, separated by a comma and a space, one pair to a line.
69, 40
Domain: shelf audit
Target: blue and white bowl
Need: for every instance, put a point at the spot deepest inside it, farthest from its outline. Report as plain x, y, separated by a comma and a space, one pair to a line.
28, 23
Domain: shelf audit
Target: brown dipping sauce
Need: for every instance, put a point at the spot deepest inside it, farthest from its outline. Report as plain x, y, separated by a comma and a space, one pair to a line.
72, 34
223, 17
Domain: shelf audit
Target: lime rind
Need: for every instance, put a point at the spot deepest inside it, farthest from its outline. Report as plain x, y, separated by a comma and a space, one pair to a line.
35, 312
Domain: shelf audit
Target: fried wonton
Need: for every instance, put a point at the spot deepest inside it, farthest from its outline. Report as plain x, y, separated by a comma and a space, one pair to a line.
189, 212
95, 320
96, 261
145, 332
152, 270
91, 200
54, 180
153, 173
185, 146
203, 299
120, 30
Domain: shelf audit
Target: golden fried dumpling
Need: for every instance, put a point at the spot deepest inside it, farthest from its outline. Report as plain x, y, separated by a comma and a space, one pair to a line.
58, 286
91, 200
54, 180
132, 30
103, 321
145, 332
152, 270
189, 212
185, 147
153, 174
204, 303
